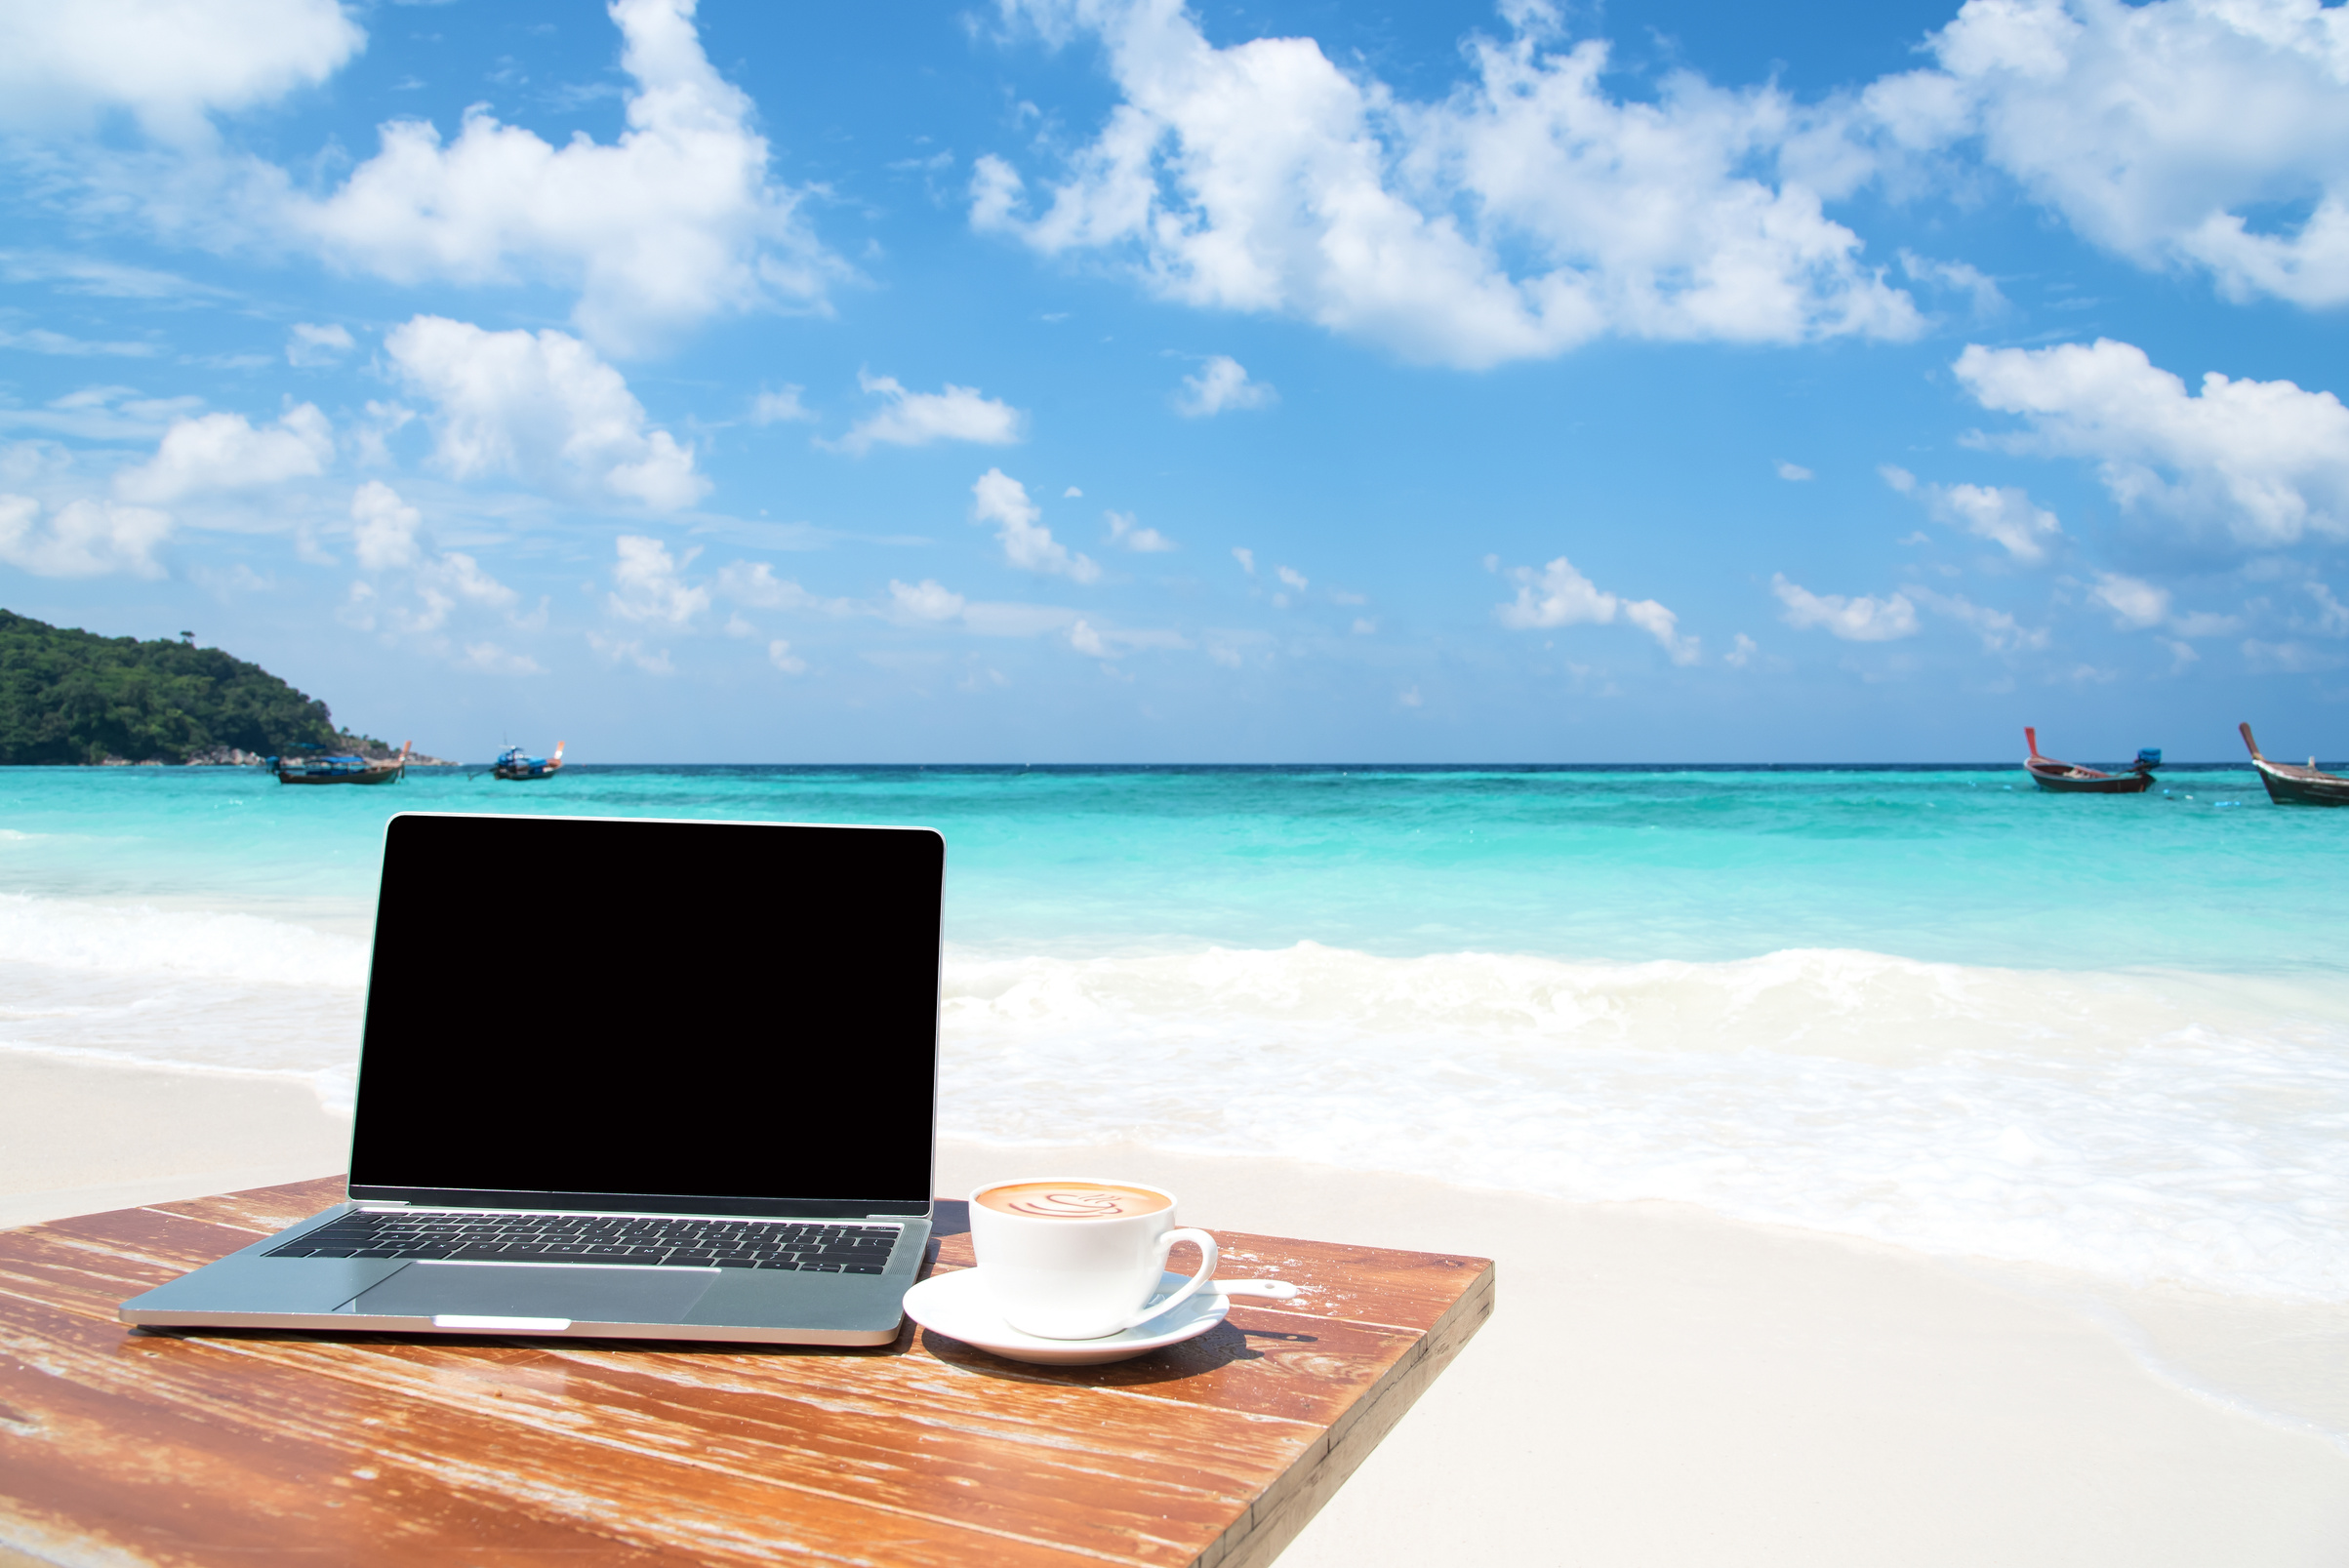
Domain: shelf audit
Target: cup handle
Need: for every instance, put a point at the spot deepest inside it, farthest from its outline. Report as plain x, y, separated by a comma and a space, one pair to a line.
1209, 1256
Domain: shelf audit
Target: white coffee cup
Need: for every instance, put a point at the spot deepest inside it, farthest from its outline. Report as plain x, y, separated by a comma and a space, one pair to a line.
1075, 1261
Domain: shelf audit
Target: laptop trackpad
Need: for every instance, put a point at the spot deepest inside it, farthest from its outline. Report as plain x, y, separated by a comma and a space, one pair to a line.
582, 1294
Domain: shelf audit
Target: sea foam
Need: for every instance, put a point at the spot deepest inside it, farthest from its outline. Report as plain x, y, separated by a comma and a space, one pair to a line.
190, 989
2142, 1125
2151, 1127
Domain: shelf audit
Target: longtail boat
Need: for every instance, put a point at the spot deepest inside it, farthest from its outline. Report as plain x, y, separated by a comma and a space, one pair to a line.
341, 769
2290, 784
511, 764
2066, 779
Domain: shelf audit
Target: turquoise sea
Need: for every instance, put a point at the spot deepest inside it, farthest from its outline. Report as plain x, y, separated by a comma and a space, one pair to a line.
1935, 1007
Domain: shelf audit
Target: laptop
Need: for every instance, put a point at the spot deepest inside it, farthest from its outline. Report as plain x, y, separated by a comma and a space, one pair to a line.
626, 1079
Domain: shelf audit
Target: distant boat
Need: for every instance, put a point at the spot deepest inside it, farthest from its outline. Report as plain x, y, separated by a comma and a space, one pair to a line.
343, 769
2289, 784
511, 764
2065, 779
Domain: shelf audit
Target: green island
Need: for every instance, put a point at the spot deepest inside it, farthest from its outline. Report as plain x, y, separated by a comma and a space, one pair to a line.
73, 697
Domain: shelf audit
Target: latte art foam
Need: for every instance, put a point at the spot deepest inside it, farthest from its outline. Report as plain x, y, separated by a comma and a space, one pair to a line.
1073, 1200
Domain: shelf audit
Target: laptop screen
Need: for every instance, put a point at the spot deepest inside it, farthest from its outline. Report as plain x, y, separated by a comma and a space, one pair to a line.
732, 1018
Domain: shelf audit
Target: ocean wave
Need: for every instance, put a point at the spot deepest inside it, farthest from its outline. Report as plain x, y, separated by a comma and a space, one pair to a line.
133, 939
2145, 1126
2152, 1127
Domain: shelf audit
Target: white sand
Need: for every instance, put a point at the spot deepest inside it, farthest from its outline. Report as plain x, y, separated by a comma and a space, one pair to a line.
78, 1136
1658, 1386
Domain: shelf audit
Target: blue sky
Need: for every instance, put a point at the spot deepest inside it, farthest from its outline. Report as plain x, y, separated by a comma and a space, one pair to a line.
1069, 381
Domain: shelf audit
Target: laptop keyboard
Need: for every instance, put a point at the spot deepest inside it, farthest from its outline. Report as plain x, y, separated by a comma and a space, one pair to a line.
809, 1247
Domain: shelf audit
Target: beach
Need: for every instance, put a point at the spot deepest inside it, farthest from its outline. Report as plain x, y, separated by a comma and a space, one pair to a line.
1854, 1200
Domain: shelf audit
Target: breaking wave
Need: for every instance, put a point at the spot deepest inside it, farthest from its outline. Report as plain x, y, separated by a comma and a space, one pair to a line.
2145, 1126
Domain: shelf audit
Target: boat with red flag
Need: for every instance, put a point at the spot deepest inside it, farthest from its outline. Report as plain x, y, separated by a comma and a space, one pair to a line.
512, 764
2066, 777
2290, 784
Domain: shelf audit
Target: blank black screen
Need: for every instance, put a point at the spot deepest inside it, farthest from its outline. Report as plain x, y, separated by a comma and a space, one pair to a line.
582, 1011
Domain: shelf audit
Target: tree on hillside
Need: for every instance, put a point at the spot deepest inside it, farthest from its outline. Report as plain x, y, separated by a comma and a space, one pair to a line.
73, 697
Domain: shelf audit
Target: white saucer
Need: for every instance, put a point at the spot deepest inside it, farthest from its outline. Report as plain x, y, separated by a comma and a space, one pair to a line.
958, 1306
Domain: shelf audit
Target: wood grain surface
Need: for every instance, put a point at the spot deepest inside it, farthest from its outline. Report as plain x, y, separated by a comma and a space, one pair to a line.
125, 1447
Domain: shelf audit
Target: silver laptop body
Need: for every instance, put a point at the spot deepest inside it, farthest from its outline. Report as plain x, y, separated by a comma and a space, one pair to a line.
625, 1078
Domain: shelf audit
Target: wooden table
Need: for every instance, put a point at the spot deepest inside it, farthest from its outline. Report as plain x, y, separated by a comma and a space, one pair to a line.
123, 1447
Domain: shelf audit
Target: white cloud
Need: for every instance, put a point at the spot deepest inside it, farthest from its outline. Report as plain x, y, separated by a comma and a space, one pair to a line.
2159, 131
2204, 624
780, 408
755, 583
1999, 631
225, 452
1222, 383
1562, 596
103, 414
2005, 517
1142, 541
1071, 494
780, 655
2333, 616
1292, 577
649, 584
384, 528
929, 603
1245, 557
1980, 289
82, 538
169, 67
492, 659
541, 405
2265, 461
371, 438
997, 498
633, 650
918, 418
1525, 214
310, 345
927, 600
2134, 603
1364, 626
1662, 624
1854, 619
42, 340
1741, 652
2288, 658
672, 223
1794, 472
387, 536
445, 581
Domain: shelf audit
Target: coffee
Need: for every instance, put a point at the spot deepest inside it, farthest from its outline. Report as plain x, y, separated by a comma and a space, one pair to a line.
1073, 1200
